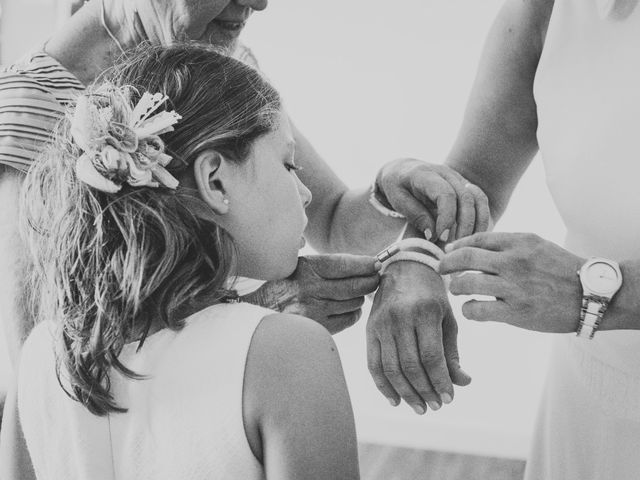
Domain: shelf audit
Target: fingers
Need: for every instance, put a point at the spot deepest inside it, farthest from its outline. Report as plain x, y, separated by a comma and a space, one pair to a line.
344, 306
429, 187
374, 362
346, 289
411, 364
337, 323
433, 360
466, 202
496, 241
342, 265
470, 258
483, 212
485, 311
416, 213
479, 284
393, 371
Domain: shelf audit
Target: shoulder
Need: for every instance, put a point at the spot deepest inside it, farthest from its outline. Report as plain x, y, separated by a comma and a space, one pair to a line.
296, 400
289, 359
282, 340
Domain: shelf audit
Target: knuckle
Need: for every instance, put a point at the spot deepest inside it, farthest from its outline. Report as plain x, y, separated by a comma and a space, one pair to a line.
467, 198
411, 398
391, 371
375, 369
421, 221
466, 256
381, 385
430, 358
411, 367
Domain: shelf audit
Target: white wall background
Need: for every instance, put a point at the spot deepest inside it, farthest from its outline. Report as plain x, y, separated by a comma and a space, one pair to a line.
369, 81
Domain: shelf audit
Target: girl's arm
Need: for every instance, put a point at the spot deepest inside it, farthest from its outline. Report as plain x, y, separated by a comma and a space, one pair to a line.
297, 412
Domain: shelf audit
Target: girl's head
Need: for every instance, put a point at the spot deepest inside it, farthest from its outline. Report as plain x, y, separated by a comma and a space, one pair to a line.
112, 262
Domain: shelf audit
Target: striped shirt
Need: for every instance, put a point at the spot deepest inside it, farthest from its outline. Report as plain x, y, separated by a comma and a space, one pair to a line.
34, 94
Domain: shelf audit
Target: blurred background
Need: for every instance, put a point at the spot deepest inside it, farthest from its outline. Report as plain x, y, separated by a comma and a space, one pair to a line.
368, 81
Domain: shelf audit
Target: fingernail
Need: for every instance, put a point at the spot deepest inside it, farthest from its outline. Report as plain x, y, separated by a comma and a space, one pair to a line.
446, 398
428, 234
434, 406
392, 402
445, 235
448, 247
419, 409
377, 266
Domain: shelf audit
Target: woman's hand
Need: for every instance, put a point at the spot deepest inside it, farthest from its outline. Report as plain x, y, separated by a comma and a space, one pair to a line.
329, 289
412, 346
534, 281
435, 199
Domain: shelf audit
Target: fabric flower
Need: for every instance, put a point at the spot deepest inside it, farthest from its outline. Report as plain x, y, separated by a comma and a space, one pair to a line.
123, 149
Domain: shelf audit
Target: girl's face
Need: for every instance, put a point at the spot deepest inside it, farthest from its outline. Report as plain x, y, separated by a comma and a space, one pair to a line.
266, 216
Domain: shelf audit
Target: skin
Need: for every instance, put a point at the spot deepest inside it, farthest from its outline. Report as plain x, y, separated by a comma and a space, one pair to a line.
339, 219
295, 396
534, 280
261, 198
433, 198
295, 401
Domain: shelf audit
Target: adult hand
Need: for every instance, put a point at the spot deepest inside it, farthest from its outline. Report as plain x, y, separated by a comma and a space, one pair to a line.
435, 199
534, 281
412, 347
329, 289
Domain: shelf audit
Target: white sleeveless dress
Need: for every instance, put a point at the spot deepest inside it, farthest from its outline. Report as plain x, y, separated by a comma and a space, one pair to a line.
184, 422
587, 90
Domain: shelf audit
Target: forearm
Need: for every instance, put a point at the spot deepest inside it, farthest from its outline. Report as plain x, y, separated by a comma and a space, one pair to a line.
497, 140
83, 46
357, 227
624, 310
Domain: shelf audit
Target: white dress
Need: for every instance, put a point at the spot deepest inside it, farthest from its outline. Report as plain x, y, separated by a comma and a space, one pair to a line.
184, 422
587, 90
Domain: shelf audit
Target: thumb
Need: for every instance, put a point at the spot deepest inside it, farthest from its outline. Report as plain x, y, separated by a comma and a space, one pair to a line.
342, 265
416, 214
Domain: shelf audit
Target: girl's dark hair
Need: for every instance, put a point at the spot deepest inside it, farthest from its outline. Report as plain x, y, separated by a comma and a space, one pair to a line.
108, 265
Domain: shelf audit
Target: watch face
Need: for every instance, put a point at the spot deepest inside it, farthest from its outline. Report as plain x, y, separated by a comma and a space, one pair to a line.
602, 278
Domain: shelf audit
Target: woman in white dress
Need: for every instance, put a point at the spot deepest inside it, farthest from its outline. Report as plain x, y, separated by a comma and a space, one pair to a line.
562, 77
163, 184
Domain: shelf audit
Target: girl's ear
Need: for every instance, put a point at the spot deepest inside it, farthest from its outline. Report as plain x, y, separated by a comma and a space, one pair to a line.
207, 172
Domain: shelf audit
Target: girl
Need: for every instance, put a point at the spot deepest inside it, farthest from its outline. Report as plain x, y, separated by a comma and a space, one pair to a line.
165, 182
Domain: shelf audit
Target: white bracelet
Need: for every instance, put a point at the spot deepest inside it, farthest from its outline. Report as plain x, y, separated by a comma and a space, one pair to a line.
411, 257
407, 243
377, 204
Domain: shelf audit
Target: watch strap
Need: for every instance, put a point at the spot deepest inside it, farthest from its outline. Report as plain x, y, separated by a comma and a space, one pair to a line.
591, 314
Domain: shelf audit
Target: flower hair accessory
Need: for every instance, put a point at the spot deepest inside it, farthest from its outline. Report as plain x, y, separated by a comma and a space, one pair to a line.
121, 144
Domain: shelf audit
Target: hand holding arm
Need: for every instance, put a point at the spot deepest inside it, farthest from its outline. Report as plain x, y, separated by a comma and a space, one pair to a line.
534, 281
435, 199
329, 289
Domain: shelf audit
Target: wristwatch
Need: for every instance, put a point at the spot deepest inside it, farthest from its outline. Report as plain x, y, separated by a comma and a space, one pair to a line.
601, 279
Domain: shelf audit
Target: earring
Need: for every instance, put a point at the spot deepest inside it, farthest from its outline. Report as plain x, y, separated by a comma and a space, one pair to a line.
225, 201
